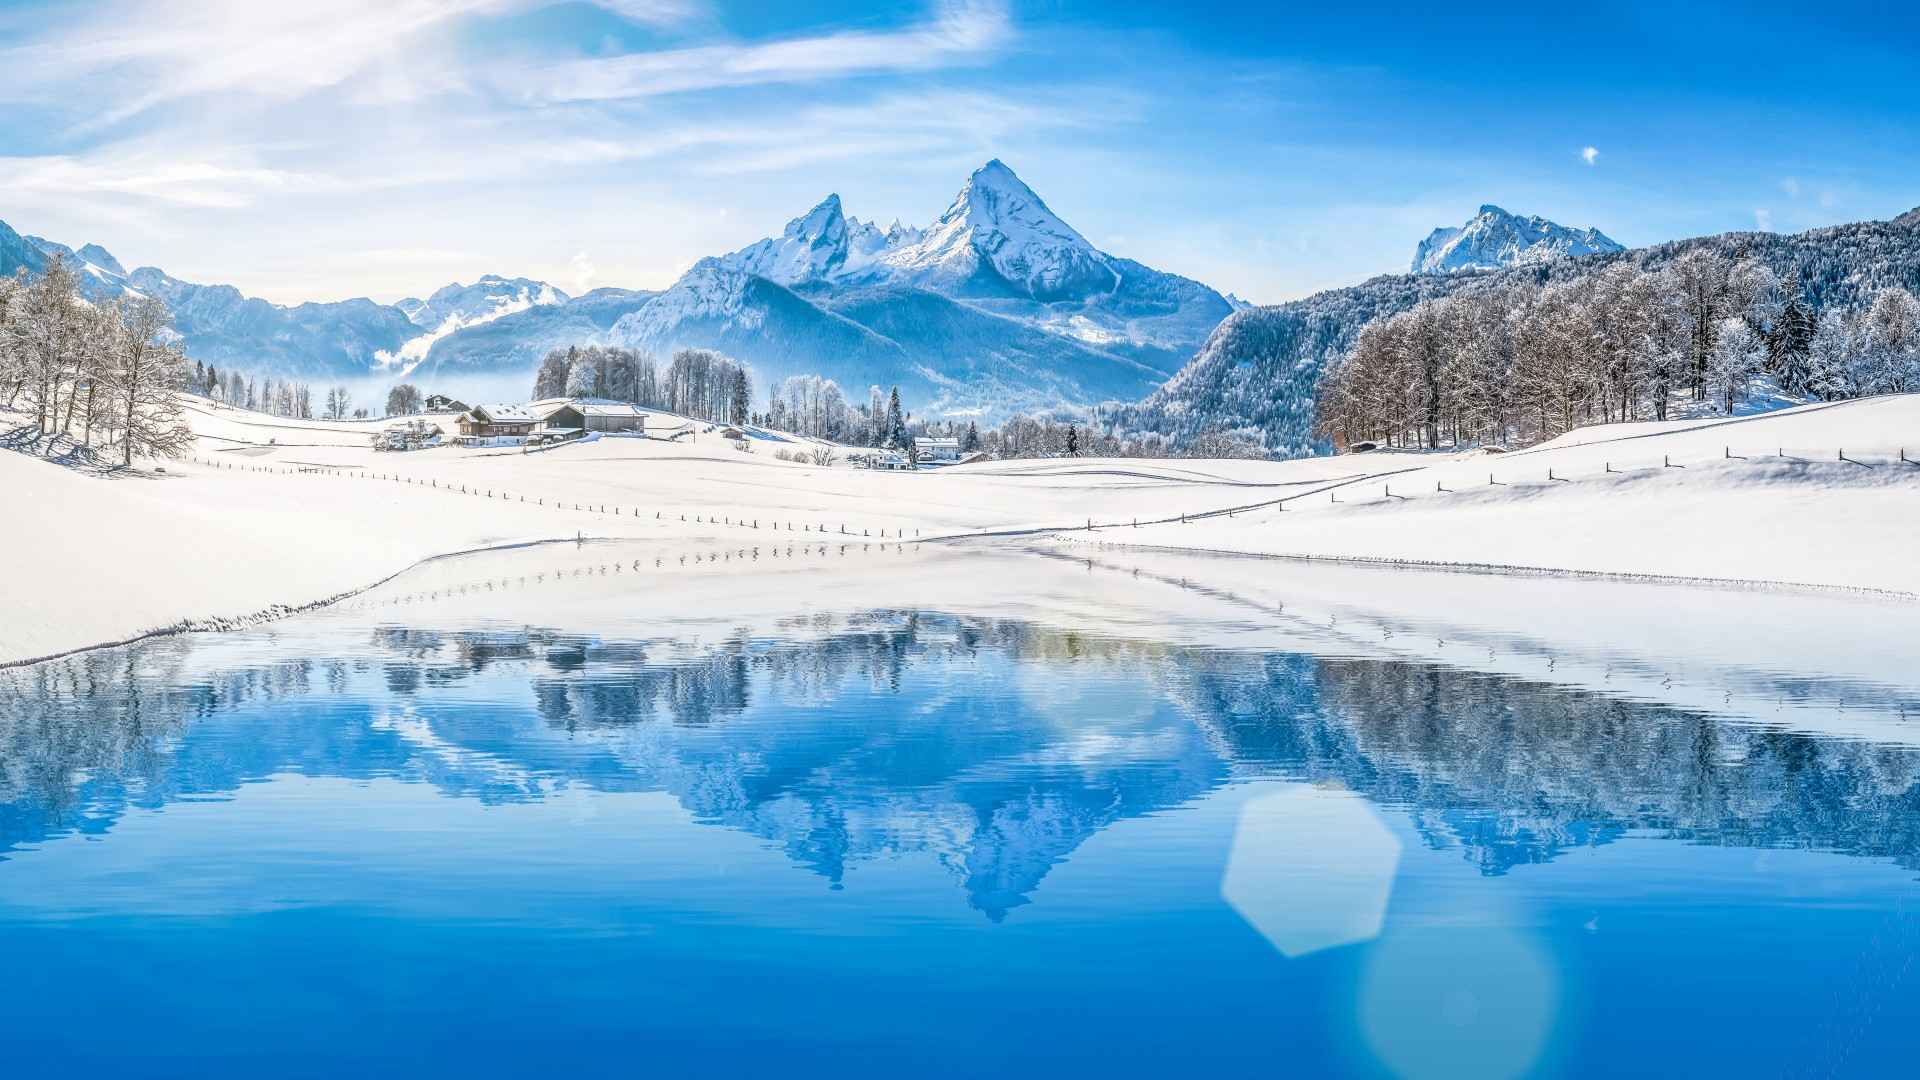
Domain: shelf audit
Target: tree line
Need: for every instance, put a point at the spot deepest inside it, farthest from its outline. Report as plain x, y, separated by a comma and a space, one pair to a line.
1518, 362
700, 383
109, 369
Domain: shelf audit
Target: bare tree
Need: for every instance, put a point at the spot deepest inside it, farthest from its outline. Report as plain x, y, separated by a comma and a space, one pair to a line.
147, 381
404, 400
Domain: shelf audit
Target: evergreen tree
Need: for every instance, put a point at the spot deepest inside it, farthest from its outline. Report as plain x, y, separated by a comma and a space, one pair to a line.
1073, 441
896, 421
742, 396
1792, 340
972, 440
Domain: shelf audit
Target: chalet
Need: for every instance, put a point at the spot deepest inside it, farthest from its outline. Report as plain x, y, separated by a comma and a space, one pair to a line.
441, 403
484, 422
594, 416
937, 451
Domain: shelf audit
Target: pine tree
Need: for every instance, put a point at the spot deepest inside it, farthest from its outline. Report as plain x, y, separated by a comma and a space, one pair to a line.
896, 420
972, 441
1073, 441
1791, 340
742, 396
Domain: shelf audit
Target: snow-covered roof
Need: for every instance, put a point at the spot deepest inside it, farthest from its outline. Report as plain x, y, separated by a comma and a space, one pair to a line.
503, 414
935, 440
597, 409
586, 406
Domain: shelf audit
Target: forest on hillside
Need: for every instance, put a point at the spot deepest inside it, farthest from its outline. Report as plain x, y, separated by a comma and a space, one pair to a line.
1258, 373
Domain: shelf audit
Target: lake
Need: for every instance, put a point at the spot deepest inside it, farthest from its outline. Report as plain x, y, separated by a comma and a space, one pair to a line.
882, 811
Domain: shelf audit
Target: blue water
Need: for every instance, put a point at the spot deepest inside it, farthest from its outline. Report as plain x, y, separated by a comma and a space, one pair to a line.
908, 843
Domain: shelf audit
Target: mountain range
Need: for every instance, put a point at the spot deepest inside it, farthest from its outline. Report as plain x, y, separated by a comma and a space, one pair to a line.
997, 307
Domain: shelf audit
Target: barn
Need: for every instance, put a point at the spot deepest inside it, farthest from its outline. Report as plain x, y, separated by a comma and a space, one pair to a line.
596, 416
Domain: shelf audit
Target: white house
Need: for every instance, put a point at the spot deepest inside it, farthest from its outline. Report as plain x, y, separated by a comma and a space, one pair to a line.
939, 451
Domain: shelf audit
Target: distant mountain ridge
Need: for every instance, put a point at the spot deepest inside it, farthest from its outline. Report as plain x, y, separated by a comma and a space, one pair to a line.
998, 306
1493, 239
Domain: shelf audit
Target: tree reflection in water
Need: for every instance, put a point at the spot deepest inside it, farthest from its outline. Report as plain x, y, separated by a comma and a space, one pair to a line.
998, 747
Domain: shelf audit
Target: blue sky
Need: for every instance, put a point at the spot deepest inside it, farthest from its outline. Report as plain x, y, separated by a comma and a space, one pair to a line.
382, 148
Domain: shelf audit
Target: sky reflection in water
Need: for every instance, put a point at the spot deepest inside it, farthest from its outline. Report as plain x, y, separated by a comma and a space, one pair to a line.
906, 841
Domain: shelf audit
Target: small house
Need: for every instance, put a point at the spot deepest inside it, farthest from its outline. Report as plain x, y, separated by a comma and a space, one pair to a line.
484, 422
441, 403
939, 451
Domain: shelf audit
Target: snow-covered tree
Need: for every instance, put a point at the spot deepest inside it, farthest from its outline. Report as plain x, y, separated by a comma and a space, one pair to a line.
1829, 355
46, 339
147, 378
896, 420
551, 380
1792, 339
742, 397
1738, 353
1890, 339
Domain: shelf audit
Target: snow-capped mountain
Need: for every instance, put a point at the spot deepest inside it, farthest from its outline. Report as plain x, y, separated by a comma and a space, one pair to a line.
515, 341
101, 275
456, 306
819, 245
997, 239
1012, 307
1493, 239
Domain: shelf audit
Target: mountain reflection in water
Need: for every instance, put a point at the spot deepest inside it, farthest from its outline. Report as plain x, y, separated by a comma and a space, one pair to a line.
998, 748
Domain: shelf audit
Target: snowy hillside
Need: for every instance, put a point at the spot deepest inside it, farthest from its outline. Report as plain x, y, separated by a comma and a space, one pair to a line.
456, 306
1759, 499
1494, 239
1257, 372
998, 306
514, 341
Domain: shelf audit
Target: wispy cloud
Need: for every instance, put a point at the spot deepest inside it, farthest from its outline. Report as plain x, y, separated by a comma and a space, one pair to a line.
144, 54
1763, 219
959, 32
1590, 155
1791, 185
182, 181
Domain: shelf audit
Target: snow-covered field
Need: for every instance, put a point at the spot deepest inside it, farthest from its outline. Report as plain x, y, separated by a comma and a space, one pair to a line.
274, 512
